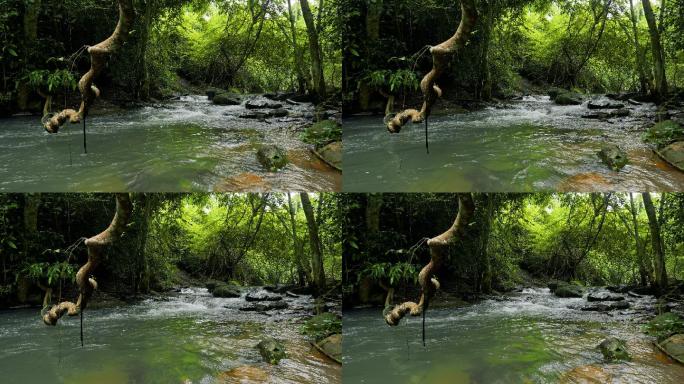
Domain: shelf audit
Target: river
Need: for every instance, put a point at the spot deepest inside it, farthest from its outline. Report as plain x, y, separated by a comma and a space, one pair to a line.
191, 337
184, 145
527, 145
526, 337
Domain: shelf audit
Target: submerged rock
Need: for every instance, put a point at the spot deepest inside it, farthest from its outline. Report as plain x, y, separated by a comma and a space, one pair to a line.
272, 157
271, 350
569, 290
244, 374
331, 346
674, 154
613, 157
262, 103
226, 291
606, 306
262, 296
264, 306
332, 154
614, 349
604, 296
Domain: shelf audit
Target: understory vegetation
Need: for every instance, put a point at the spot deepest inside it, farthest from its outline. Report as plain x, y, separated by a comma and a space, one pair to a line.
516, 47
171, 240
513, 240
238, 45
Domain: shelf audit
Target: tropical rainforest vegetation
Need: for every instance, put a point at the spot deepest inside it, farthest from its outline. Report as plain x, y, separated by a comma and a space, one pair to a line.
169, 240
245, 46
515, 47
513, 240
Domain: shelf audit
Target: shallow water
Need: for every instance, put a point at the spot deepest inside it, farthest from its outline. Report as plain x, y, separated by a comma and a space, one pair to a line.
185, 145
191, 338
530, 337
527, 145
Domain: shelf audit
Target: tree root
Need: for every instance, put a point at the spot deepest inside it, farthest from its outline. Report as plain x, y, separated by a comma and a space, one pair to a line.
96, 246
98, 59
439, 248
441, 55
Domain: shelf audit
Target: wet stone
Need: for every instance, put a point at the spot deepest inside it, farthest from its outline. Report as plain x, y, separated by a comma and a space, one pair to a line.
271, 350
614, 349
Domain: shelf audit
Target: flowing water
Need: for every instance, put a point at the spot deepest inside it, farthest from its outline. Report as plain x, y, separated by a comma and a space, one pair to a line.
184, 145
527, 145
189, 338
529, 337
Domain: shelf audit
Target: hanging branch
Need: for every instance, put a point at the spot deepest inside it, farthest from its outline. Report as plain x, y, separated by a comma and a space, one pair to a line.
98, 59
441, 55
96, 246
439, 247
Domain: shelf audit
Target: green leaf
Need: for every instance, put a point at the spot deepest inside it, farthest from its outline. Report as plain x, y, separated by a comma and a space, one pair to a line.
12, 52
11, 244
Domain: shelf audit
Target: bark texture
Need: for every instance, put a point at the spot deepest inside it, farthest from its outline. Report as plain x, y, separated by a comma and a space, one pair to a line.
96, 247
439, 247
660, 90
98, 60
656, 243
441, 55
315, 242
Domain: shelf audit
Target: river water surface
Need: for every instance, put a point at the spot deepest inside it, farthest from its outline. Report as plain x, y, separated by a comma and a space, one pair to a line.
527, 145
189, 338
185, 145
529, 337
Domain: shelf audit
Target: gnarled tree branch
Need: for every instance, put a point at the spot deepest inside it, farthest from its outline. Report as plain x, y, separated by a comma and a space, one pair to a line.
98, 59
96, 246
439, 246
441, 54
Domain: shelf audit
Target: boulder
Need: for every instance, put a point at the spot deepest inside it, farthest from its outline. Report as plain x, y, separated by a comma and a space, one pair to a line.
226, 99
622, 288
554, 92
674, 154
272, 157
271, 350
569, 290
332, 154
331, 346
244, 374
264, 306
322, 326
262, 103
569, 98
553, 284
614, 349
280, 112
613, 157
254, 115
604, 296
262, 296
226, 291
673, 346
211, 284
604, 105
606, 306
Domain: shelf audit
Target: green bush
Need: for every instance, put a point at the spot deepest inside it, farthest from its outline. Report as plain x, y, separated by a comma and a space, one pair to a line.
665, 325
664, 133
322, 132
321, 326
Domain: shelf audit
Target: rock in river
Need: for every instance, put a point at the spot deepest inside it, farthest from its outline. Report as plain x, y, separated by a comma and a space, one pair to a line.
614, 349
331, 346
225, 99
272, 157
604, 296
569, 98
332, 154
674, 154
271, 350
606, 306
569, 290
604, 105
613, 156
262, 296
226, 291
262, 103
264, 306
673, 347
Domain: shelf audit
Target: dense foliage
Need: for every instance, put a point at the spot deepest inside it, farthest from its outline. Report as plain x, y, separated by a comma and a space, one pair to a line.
243, 238
246, 46
518, 46
514, 239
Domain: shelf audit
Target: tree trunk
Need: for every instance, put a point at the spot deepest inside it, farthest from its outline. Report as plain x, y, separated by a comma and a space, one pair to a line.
302, 82
303, 272
660, 90
315, 50
315, 241
645, 267
484, 86
640, 59
486, 279
657, 245
373, 14
31, 12
373, 207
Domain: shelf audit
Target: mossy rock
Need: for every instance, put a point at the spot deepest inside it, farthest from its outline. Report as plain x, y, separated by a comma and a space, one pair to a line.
614, 349
332, 154
272, 157
331, 346
212, 284
569, 290
322, 326
271, 350
226, 291
226, 99
553, 92
613, 157
322, 132
673, 346
569, 98
674, 154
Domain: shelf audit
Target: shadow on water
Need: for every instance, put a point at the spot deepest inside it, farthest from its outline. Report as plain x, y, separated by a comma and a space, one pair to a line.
191, 338
184, 145
528, 145
531, 337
